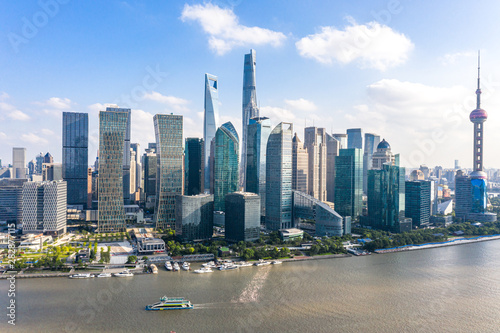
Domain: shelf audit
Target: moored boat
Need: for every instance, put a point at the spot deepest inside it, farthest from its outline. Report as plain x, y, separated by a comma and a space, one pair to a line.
209, 264
103, 275
81, 276
228, 267
170, 303
153, 268
243, 264
262, 263
203, 270
186, 266
277, 262
125, 273
176, 267
168, 265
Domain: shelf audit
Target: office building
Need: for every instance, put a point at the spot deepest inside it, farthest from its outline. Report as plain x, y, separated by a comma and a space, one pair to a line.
371, 144
44, 207
11, 199
416, 175
194, 217
194, 156
242, 217
354, 138
249, 109
315, 144
112, 133
31, 167
348, 197
19, 162
136, 147
418, 202
463, 195
226, 159
39, 161
382, 155
279, 178
300, 165
75, 146
332, 151
342, 139
52, 171
149, 161
209, 125
170, 167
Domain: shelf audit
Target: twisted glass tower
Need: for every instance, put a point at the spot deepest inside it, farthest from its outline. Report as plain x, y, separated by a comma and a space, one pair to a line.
209, 125
249, 109
170, 167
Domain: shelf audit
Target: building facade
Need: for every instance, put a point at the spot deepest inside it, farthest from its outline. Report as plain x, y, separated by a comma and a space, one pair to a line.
348, 197
279, 178
226, 162
75, 147
418, 202
315, 144
300, 165
170, 167
112, 131
354, 138
194, 156
194, 216
19, 162
11, 199
371, 143
209, 124
242, 217
332, 151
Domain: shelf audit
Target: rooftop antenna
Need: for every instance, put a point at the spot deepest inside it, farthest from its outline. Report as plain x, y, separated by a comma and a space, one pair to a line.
478, 91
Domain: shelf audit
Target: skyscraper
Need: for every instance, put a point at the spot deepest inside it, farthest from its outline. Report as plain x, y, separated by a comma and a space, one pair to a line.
19, 162
194, 166
349, 182
315, 144
300, 165
355, 138
170, 170
258, 133
75, 143
249, 108
149, 162
342, 139
112, 132
209, 124
11, 199
242, 217
279, 178
382, 155
194, 216
332, 151
418, 202
126, 152
371, 143
226, 159
136, 147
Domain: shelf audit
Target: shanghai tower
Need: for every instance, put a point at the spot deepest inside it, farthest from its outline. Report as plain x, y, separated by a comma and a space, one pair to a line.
250, 109
209, 125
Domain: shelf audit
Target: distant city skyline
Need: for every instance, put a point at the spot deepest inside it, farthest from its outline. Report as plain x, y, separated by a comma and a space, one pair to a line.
414, 92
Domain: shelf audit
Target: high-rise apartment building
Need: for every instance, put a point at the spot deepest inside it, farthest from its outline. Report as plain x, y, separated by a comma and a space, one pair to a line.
19, 162
75, 146
249, 108
371, 144
226, 159
315, 144
44, 207
354, 138
348, 197
300, 165
242, 217
112, 133
170, 170
209, 124
279, 178
194, 156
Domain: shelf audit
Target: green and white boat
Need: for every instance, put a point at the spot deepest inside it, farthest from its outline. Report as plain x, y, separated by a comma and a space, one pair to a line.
170, 303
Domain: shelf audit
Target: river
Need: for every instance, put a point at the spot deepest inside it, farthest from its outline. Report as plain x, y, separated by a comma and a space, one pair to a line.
448, 289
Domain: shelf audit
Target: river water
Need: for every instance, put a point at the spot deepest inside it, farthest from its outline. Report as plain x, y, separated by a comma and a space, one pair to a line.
448, 289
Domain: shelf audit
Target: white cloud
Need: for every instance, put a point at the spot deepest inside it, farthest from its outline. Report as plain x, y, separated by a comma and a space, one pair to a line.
142, 127
453, 58
46, 131
372, 44
176, 103
277, 114
224, 29
301, 104
9, 110
34, 139
59, 103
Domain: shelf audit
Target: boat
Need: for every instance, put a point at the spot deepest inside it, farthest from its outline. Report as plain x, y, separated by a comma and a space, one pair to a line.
203, 270
243, 264
81, 276
103, 275
176, 267
170, 303
185, 266
277, 262
262, 263
227, 267
168, 265
154, 269
209, 264
125, 273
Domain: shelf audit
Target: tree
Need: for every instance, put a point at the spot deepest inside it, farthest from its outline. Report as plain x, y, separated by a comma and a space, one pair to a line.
131, 259
247, 254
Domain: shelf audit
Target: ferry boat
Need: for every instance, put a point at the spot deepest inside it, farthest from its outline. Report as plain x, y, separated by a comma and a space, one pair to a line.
203, 270
227, 267
81, 276
185, 266
168, 265
262, 263
277, 262
176, 267
154, 269
125, 273
103, 275
170, 303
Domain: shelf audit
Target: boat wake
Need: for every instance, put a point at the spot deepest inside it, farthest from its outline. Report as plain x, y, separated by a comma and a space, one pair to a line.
251, 292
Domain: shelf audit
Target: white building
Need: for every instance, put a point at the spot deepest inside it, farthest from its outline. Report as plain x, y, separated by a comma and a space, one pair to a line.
44, 207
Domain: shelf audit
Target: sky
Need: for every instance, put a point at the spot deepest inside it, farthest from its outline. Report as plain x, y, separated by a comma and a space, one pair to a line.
406, 71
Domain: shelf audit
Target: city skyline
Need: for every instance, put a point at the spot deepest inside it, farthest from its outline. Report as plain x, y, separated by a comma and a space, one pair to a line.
423, 113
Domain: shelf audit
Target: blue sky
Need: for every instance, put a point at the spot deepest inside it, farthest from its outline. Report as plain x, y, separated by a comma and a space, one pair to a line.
404, 70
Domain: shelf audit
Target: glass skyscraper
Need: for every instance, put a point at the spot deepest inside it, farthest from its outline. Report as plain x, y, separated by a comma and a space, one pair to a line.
170, 171
226, 162
418, 202
242, 217
354, 138
249, 109
194, 166
349, 182
209, 124
279, 178
258, 133
112, 130
371, 143
332, 151
19, 162
75, 142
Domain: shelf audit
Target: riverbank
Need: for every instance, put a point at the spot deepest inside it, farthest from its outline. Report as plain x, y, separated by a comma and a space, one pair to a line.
456, 241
